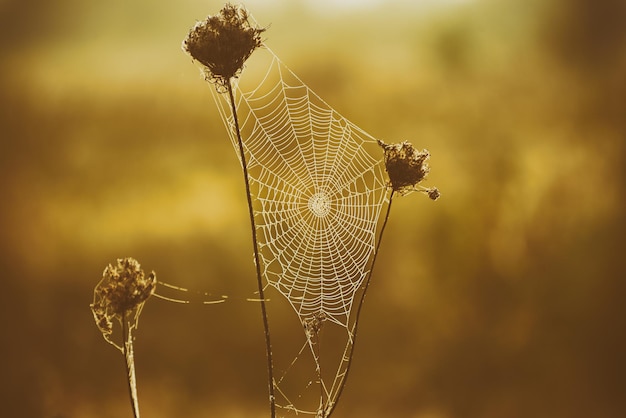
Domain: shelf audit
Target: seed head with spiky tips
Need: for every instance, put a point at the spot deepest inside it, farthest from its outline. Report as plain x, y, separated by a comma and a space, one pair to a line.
222, 43
407, 167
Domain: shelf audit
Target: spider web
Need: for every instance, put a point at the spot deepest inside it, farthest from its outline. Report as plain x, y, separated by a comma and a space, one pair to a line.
319, 186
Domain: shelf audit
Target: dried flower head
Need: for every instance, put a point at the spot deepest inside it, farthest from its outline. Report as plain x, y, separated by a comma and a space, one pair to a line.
222, 43
407, 167
120, 294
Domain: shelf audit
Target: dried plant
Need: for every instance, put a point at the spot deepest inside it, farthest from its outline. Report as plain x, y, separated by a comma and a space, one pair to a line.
222, 43
123, 290
407, 167
119, 298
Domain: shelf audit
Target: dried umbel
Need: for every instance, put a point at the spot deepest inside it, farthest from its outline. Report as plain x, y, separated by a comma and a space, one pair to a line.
222, 43
120, 295
407, 167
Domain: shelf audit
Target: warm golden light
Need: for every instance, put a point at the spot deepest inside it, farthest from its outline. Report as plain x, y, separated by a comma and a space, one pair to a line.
501, 299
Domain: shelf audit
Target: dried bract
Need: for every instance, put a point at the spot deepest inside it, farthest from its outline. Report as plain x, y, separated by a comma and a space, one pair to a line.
407, 167
433, 193
222, 43
121, 293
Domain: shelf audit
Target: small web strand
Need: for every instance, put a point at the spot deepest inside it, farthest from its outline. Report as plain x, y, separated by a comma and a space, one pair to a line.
187, 291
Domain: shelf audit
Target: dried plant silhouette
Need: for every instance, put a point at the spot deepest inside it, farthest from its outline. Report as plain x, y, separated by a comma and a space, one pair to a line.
319, 185
407, 168
222, 43
118, 299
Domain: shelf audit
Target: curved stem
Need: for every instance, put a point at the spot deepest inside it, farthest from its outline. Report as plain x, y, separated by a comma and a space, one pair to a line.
358, 311
129, 363
268, 345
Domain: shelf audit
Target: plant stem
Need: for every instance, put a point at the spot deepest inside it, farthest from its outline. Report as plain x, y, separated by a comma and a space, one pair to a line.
268, 345
360, 305
129, 363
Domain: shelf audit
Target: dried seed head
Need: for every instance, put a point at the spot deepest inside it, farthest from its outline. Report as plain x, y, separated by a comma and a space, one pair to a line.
407, 167
222, 43
123, 290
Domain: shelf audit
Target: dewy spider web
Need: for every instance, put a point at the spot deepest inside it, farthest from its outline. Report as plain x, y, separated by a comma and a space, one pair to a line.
319, 192
319, 185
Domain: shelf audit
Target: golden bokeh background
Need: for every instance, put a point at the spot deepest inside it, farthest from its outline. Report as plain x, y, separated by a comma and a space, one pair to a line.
503, 299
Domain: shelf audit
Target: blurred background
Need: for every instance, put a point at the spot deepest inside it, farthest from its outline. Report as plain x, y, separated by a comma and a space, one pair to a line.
502, 299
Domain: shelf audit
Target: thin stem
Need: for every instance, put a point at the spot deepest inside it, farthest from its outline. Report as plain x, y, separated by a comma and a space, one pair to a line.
358, 311
266, 325
129, 363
